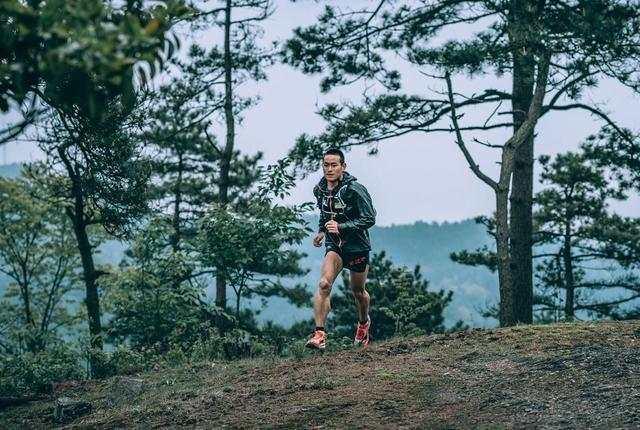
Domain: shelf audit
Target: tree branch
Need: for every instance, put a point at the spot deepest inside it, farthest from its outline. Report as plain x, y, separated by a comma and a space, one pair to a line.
594, 111
460, 141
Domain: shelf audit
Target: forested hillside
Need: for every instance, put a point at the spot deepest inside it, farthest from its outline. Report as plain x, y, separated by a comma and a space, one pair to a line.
10, 170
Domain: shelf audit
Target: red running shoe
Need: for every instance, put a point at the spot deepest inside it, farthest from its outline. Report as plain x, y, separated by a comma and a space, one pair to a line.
362, 334
318, 340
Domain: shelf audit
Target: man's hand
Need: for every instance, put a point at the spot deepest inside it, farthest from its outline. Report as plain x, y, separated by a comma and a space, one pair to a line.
317, 241
332, 226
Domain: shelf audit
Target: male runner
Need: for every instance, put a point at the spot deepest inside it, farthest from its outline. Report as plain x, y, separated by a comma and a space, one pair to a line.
346, 212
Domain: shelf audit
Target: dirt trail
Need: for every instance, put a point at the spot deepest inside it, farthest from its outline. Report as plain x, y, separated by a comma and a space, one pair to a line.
560, 376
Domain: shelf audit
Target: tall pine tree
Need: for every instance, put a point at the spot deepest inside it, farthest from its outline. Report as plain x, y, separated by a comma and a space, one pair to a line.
582, 270
585, 41
91, 110
238, 60
186, 157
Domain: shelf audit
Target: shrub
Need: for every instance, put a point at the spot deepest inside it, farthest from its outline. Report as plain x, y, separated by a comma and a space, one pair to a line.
34, 373
122, 361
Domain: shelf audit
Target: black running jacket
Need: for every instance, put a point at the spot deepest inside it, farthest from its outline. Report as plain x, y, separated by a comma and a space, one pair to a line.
348, 203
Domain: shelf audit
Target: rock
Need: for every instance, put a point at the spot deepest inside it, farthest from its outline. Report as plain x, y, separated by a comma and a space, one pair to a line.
133, 386
67, 409
124, 389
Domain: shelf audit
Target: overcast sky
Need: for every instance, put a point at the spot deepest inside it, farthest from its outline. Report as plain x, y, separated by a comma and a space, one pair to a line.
416, 177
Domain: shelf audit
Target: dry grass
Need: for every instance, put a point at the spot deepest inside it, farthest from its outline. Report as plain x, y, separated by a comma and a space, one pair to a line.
559, 376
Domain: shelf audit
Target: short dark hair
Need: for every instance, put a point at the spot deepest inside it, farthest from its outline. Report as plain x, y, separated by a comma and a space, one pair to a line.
334, 151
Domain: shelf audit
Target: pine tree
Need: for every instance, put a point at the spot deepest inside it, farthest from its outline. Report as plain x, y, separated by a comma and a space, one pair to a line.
100, 178
239, 59
618, 151
586, 254
186, 157
582, 271
585, 41
90, 109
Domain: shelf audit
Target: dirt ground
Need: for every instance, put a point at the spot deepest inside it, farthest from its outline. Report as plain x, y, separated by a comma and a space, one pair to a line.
553, 377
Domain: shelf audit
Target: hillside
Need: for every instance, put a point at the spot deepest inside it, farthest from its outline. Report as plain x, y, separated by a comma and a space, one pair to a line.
559, 376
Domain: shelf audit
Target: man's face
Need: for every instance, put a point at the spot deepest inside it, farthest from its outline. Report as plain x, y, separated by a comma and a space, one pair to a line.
332, 167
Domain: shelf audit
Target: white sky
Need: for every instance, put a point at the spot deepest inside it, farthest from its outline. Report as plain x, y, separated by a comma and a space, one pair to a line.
416, 177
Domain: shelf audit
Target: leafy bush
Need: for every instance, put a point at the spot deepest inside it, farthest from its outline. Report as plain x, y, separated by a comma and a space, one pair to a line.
122, 361
30, 373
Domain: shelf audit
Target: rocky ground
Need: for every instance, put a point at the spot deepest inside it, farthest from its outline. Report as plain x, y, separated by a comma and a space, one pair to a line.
555, 376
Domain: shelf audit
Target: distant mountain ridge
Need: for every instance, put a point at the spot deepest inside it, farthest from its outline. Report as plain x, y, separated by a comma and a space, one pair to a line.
10, 170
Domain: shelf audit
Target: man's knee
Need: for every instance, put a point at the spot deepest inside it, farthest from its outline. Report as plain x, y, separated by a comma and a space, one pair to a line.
358, 290
324, 287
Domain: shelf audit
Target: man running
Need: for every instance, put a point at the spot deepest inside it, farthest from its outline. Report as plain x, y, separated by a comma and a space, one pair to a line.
346, 212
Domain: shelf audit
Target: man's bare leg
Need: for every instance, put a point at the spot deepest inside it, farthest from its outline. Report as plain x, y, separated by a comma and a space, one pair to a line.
360, 294
331, 267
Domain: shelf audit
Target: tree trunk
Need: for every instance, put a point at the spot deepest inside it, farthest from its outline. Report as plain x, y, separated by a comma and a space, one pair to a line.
221, 291
92, 299
225, 162
502, 251
568, 276
33, 339
238, 304
521, 19
177, 235
77, 216
26, 297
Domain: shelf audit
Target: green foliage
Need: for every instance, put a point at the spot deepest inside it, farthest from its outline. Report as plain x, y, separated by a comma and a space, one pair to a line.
121, 361
483, 256
29, 372
586, 255
106, 173
79, 54
100, 180
587, 249
618, 151
84, 49
151, 299
186, 157
401, 302
253, 240
38, 255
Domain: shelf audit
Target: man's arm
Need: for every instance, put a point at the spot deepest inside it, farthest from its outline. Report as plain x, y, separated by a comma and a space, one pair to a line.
366, 213
322, 221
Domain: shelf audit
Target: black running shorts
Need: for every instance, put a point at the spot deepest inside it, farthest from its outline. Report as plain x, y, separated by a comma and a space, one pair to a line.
354, 261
